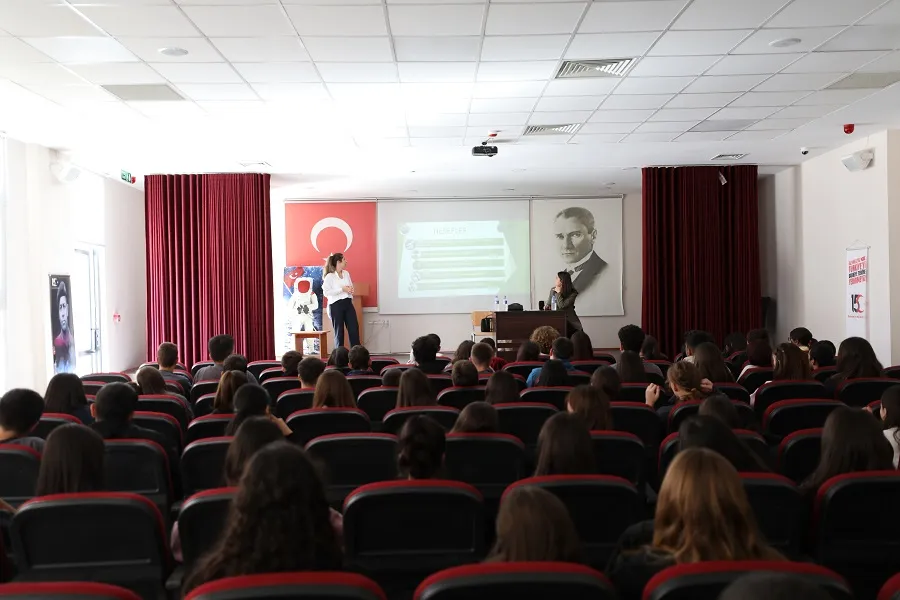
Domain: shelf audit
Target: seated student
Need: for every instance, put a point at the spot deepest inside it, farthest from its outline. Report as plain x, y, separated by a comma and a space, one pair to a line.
497, 363
564, 447
339, 358
702, 514
420, 449
592, 405
543, 337
711, 364
309, 370
735, 343
477, 417
415, 390
561, 351
553, 374
279, 521
463, 352
607, 380
151, 382
759, 354
684, 381
253, 401
167, 359
501, 388
360, 361
20, 411
650, 349
802, 338
528, 352
391, 377
821, 354
533, 525
230, 382
434, 341
482, 355
582, 347
631, 338
72, 462
220, 347
692, 341
630, 367
791, 364
333, 391
711, 433
290, 360
722, 408
890, 418
65, 394
238, 362
425, 352
856, 359
464, 374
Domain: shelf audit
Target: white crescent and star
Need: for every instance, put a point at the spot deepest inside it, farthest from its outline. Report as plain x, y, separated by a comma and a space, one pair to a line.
330, 223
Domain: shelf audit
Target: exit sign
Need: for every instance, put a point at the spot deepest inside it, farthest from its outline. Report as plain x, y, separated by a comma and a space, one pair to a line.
126, 176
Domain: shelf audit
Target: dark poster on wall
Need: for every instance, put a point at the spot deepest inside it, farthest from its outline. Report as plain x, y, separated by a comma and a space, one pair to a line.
61, 324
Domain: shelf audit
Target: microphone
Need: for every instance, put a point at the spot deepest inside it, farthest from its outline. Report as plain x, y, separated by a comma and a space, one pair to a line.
541, 305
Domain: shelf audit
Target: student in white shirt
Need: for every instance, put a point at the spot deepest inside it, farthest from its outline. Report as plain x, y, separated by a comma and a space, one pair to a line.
337, 287
890, 416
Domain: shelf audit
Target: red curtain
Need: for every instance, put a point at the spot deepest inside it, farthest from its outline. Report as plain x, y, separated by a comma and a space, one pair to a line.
701, 252
209, 263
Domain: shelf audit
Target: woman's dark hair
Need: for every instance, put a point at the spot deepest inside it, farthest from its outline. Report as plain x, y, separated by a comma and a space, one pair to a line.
823, 353
607, 379
721, 407
735, 342
477, 417
249, 401
490, 342
528, 352
852, 441
592, 405
564, 447
150, 381
463, 351
650, 349
791, 363
464, 374
553, 374
890, 410
533, 525
235, 362
759, 354
568, 288
340, 358
712, 366
254, 433
65, 393
229, 384
278, 522
290, 360
856, 359
415, 389
582, 347
391, 377
420, 450
711, 433
501, 388
72, 461
631, 368
333, 391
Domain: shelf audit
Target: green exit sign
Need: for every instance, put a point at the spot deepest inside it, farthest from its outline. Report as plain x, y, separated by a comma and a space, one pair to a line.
126, 176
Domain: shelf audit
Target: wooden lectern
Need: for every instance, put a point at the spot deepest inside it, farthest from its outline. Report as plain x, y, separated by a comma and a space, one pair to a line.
511, 328
360, 291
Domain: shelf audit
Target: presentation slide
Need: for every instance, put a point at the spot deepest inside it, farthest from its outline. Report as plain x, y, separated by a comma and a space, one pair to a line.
452, 257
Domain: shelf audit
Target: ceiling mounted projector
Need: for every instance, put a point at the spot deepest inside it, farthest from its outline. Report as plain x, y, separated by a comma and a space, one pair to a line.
859, 161
484, 150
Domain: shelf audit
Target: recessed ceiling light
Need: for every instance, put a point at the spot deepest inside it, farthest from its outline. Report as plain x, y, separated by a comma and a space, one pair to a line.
173, 51
785, 42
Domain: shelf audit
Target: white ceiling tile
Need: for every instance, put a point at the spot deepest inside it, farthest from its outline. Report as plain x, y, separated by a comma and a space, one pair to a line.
291, 91
724, 83
426, 119
140, 20
819, 13
436, 132
644, 138
240, 21
380, 143
672, 66
869, 37
218, 91
682, 114
163, 110
508, 89
757, 136
623, 102
836, 96
199, 49
228, 108
682, 43
338, 20
752, 64
435, 142
118, 73
28, 18
832, 62
727, 14
768, 98
503, 105
516, 71
528, 140
70, 94
437, 72
40, 74
436, 92
597, 86
619, 128
278, 72
516, 19
749, 112
702, 136
621, 116
82, 49
610, 45
665, 126
646, 15
653, 85
568, 103
889, 14
362, 93
13, 51
197, 73
702, 100
531, 47
498, 119
262, 49
798, 82
447, 105
437, 48
448, 19
358, 72
504, 133
778, 124
888, 64
599, 138
811, 38
555, 118
810, 112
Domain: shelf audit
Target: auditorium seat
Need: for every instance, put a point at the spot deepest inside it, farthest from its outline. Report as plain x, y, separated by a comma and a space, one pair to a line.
619, 453
258, 366
110, 537
860, 392
798, 454
311, 423
50, 421
359, 383
400, 366
290, 586
199, 365
201, 521
278, 385
824, 373
174, 387
758, 444
706, 580
548, 395
891, 589
460, 397
377, 402
735, 391
601, 506
19, 466
439, 383
293, 400
524, 368
202, 388
170, 405
524, 420
394, 419
65, 590
754, 377
379, 363
775, 391
633, 392
787, 416
684, 410
270, 373
892, 372
662, 364
208, 426
579, 378
139, 467
92, 387
350, 460
604, 356
853, 533
202, 464
342, 370
483, 378
488, 461
670, 446
781, 512
163, 424
204, 405
178, 367
107, 377
517, 580
639, 419
589, 366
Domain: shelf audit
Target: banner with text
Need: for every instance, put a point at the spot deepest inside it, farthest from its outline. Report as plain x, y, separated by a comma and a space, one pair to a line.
857, 292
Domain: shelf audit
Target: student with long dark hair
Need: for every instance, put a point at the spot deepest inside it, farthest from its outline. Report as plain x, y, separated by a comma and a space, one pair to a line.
420, 449
791, 364
583, 347
711, 433
592, 405
711, 365
553, 374
253, 401
339, 358
501, 388
415, 390
463, 352
855, 360
253, 434
607, 379
529, 351
631, 368
477, 417
890, 418
72, 462
65, 394
562, 297
564, 447
821, 355
337, 287
229, 383
759, 354
333, 391
650, 349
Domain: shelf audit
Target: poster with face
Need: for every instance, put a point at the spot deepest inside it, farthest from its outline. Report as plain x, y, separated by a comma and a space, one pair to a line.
64, 354
583, 237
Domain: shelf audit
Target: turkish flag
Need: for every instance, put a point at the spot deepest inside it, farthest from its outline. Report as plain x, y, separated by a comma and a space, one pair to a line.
313, 230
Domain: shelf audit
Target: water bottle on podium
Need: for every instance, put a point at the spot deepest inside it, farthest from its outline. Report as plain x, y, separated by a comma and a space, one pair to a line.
505, 304
496, 303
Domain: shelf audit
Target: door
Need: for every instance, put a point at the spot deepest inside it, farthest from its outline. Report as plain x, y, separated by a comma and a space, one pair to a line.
86, 310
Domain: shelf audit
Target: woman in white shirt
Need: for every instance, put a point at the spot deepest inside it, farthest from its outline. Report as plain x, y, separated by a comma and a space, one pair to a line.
890, 416
337, 287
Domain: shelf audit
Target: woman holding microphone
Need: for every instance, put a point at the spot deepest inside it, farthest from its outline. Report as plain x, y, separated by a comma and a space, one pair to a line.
562, 297
337, 287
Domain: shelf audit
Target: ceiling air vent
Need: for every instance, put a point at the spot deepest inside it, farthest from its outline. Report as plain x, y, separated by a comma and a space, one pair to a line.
551, 129
728, 157
144, 93
611, 67
255, 164
865, 81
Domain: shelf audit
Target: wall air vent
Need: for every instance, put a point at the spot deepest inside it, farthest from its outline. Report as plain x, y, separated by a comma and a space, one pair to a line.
611, 67
552, 129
